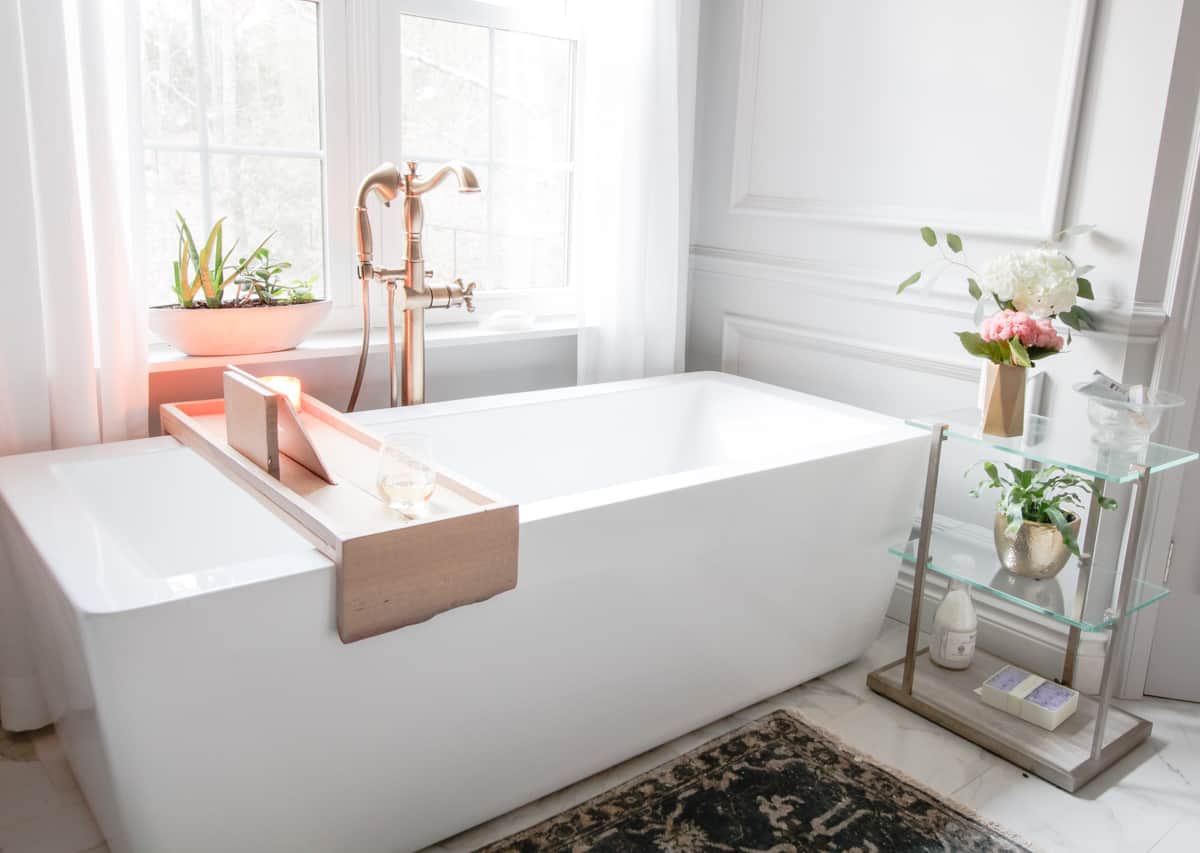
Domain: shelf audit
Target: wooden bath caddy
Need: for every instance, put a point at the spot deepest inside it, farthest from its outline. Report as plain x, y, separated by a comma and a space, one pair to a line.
317, 470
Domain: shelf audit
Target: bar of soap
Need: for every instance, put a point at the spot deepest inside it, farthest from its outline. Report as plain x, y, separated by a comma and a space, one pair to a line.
1030, 697
1049, 704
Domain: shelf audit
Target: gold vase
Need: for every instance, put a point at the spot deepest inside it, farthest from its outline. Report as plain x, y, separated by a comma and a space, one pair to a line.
1004, 400
1036, 551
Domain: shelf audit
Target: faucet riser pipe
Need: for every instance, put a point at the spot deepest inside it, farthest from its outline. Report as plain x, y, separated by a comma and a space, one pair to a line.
366, 345
393, 383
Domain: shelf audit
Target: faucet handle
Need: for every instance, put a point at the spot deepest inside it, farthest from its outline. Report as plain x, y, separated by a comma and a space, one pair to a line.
468, 294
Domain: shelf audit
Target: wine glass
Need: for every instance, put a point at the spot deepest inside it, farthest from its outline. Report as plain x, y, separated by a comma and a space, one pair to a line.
406, 477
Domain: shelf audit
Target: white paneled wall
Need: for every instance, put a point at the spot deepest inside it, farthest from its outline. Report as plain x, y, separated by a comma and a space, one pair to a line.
828, 133
822, 119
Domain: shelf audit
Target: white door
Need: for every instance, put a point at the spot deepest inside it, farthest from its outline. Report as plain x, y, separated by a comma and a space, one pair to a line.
1174, 671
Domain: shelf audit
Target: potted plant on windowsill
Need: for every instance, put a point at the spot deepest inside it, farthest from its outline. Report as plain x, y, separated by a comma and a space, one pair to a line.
226, 308
1036, 529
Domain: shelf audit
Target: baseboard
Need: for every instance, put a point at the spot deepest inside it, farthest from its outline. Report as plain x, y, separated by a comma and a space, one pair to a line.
1034, 642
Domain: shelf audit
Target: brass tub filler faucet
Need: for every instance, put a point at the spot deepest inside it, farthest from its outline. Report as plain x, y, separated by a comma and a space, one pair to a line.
415, 295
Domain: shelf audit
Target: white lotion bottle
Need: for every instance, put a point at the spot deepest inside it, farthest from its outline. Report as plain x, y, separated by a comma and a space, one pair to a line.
955, 626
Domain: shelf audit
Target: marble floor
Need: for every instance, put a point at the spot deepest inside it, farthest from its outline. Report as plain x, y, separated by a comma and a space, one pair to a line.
1149, 801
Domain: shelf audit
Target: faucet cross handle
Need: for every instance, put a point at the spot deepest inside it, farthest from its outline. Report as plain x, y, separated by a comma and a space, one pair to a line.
468, 294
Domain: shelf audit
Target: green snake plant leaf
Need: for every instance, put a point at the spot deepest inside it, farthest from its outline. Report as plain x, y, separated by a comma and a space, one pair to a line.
188, 286
211, 294
219, 269
187, 235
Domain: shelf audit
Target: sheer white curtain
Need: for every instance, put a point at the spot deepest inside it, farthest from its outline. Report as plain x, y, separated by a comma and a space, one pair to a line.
632, 188
72, 339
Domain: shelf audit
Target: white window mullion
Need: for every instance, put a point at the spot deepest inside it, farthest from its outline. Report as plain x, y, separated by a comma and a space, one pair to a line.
202, 109
489, 216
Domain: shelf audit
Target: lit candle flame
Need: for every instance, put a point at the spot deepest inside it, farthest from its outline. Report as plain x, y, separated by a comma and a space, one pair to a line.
288, 386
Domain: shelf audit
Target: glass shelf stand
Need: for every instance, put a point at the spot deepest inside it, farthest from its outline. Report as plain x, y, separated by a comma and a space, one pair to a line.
1068, 756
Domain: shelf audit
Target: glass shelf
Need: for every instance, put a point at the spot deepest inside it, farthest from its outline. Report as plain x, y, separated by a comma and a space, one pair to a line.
1046, 441
966, 552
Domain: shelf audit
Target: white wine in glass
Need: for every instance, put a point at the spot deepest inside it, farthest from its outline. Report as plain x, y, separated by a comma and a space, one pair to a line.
406, 478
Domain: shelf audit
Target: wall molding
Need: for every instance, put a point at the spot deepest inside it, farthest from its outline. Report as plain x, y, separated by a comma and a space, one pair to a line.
1073, 73
835, 281
736, 327
1143, 322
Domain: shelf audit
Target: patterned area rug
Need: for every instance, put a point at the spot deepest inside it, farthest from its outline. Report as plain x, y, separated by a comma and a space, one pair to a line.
777, 785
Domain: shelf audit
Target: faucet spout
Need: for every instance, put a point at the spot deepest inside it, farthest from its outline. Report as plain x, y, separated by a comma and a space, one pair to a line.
467, 182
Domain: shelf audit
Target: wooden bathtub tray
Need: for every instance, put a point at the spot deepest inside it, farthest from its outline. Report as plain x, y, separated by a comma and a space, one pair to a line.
391, 572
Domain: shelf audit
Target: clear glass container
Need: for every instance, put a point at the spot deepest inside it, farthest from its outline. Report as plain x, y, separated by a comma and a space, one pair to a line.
406, 478
1126, 425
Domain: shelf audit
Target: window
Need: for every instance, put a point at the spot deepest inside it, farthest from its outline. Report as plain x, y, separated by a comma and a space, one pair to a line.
500, 101
235, 93
231, 122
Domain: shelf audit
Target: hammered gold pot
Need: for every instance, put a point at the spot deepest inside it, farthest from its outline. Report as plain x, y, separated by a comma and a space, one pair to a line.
1037, 551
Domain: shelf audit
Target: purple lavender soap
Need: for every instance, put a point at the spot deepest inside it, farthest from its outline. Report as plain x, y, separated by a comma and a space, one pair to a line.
1007, 678
1049, 695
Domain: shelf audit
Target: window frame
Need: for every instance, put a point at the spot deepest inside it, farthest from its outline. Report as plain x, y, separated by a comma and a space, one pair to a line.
352, 65
205, 148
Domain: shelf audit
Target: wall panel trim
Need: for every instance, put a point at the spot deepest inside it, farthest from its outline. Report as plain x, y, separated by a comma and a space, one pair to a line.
974, 222
735, 328
1143, 322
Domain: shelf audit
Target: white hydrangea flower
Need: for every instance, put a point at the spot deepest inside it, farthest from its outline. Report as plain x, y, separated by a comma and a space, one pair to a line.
1040, 282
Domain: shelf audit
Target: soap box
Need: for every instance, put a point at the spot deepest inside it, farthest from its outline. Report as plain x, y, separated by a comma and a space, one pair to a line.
1030, 697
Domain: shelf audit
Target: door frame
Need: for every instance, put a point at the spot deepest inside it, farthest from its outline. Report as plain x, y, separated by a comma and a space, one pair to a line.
1177, 356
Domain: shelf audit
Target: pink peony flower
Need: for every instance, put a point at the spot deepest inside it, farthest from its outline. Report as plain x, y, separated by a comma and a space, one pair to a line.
1009, 324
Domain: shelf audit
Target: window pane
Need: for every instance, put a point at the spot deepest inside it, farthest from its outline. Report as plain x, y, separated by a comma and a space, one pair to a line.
259, 195
531, 97
529, 209
261, 59
455, 234
455, 253
529, 201
443, 89
445, 205
172, 183
169, 110
525, 261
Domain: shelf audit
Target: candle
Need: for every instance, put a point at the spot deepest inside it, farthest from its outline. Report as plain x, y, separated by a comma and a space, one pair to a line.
288, 386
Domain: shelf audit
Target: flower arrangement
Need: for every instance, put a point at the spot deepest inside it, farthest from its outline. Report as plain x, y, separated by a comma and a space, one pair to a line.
1030, 289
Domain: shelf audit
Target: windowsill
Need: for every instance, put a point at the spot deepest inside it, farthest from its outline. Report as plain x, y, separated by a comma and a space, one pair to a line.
165, 358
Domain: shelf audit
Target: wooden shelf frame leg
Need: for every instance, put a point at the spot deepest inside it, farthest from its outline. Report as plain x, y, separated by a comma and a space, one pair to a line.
937, 437
1128, 565
1087, 554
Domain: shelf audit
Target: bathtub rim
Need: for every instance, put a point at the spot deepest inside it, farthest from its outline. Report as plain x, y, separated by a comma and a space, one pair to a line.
36, 508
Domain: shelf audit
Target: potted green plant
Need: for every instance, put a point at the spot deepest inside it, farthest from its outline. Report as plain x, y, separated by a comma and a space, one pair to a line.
228, 308
1036, 529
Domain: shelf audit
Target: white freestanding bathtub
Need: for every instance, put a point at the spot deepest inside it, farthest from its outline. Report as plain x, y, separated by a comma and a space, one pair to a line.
689, 545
